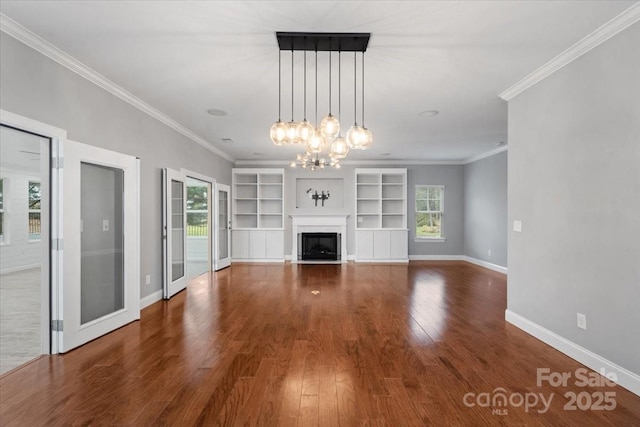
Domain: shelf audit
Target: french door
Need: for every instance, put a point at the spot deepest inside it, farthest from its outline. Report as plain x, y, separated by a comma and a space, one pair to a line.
222, 227
174, 225
100, 244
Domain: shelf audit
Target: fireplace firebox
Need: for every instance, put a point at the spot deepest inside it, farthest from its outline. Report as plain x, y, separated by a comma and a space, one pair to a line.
320, 246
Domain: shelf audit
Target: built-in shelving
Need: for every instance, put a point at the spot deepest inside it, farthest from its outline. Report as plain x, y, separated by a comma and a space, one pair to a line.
381, 215
257, 214
258, 199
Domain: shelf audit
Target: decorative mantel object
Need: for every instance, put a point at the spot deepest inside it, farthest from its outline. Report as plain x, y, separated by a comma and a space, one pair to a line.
315, 196
319, 195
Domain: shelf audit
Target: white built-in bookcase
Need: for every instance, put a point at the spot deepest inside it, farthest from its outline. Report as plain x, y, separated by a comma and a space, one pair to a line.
381, 214
257, 214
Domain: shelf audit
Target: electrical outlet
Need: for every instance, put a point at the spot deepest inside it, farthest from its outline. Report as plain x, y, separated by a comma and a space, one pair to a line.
582, 321
105, 225
489, 252
147, 279
517, 226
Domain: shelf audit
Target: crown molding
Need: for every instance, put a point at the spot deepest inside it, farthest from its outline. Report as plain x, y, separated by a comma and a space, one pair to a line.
486, 154
602, 34
357, 162
22, 34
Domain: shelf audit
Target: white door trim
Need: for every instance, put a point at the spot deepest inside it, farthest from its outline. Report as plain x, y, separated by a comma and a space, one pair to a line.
51, 257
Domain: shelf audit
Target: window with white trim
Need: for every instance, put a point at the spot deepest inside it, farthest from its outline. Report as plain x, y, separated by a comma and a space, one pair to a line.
35, 207
2, 225
429, 211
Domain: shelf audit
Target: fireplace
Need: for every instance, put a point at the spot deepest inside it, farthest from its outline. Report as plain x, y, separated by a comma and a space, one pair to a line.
319, 224
319, 246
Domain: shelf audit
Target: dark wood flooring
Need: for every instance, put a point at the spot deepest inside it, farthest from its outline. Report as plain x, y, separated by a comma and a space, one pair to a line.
391, 345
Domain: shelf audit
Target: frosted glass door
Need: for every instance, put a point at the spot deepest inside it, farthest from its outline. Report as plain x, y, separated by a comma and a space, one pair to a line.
102, 241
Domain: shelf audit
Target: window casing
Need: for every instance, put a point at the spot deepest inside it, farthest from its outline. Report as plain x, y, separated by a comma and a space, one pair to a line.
429, 205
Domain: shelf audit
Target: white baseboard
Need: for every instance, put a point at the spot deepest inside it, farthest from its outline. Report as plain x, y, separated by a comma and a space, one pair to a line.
351, 257
485, 264
626, 378
280, 260
20, 268
150, 299
287, 257
383, 261
436, 257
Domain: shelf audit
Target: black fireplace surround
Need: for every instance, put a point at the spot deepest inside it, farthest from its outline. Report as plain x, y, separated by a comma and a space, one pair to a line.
319, 246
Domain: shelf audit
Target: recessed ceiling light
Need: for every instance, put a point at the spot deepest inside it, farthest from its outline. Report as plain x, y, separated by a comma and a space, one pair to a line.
227, 140
429, 113
385, 154
217, 113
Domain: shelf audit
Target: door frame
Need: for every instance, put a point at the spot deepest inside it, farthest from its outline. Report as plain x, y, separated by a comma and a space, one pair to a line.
217, 188
211, 214
51, 267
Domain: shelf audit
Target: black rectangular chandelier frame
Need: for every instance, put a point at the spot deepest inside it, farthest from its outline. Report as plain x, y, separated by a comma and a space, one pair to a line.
323, 42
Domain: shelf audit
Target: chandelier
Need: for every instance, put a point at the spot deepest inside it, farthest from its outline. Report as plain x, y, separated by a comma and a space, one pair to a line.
324, 145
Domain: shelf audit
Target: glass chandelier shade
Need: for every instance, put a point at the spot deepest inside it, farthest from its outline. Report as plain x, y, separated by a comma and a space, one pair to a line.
339, 148
368, 138
278, 132
292, 133
305, 131
316, 143
356, 137
330, 126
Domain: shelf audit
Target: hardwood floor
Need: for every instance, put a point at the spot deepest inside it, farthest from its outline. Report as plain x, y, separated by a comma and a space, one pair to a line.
378, 345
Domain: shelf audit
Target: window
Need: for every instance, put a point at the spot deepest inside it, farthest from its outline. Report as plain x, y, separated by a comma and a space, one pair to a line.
1, 210
429, 211
34, 210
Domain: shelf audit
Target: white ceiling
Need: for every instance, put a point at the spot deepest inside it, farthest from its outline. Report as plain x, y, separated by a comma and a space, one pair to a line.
184, 58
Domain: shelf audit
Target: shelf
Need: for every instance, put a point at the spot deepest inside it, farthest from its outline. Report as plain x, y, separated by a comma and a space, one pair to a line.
258, 199
368, 199
366, 214
364, 184
392, 199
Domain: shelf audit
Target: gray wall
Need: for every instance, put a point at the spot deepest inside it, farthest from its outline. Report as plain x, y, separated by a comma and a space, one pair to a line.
36, 87
452, 176
485, 209
574, 181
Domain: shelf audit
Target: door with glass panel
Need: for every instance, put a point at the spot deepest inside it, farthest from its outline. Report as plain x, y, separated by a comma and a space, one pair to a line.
101, 286
174, 225
222, 226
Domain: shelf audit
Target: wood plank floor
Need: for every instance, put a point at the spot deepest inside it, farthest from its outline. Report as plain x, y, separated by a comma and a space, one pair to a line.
391, 345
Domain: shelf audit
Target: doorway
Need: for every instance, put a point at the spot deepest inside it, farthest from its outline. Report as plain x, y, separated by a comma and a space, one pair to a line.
24, 246
198, 208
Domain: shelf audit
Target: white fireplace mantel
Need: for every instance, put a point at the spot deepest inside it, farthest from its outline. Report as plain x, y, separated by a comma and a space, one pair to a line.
318, 223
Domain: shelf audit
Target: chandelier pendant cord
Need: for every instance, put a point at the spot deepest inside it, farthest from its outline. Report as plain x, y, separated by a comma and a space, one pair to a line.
339, 86
330, 79
362, 82
280, 86
305, 82
355, 91
316, 84
291, 83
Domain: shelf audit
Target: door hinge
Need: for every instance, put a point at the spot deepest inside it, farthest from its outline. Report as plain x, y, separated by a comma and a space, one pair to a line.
57, 162
56, 325
57, 244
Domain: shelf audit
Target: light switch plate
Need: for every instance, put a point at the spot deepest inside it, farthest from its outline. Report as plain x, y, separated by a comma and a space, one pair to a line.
105, 225
517, 225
